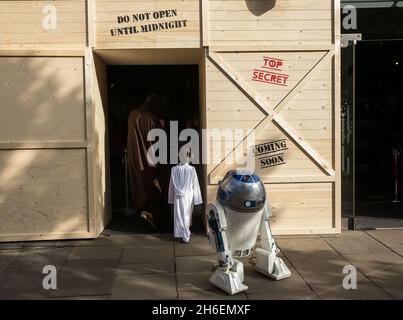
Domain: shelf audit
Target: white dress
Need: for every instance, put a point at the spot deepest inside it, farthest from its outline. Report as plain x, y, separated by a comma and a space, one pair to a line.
184, 192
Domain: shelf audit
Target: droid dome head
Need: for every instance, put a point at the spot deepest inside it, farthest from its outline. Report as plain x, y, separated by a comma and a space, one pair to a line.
241, 191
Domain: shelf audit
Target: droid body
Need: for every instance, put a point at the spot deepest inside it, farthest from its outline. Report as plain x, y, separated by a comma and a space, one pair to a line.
240, 212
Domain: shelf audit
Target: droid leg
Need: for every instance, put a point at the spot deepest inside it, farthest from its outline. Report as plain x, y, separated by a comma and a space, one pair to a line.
229, 273
267, 261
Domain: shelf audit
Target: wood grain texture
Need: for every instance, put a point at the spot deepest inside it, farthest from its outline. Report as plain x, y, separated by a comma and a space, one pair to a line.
21, 25
183, 36
42, 192
43, 98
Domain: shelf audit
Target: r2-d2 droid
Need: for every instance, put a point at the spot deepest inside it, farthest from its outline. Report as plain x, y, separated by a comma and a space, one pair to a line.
235, 219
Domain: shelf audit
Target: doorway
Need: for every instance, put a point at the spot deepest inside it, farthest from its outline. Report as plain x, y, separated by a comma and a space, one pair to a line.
128, 87
372, 114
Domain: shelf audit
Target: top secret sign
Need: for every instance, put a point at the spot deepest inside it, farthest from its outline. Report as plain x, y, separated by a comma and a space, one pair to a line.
144, 22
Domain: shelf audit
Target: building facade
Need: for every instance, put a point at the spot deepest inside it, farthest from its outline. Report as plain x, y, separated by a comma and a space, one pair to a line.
272, 67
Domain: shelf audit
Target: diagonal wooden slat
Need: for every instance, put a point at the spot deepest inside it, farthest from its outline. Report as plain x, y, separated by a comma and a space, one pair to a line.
271, 115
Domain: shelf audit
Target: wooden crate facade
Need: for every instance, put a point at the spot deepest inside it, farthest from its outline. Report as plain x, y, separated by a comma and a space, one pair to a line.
268, 66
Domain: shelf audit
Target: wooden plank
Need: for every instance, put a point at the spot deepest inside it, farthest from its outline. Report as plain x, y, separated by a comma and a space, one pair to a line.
258, 7
286, 179
102, 178
21, 25
304, 81
269, 111
284, 35
26, 236
337, 115
90, 18
43, 98
41, 53
185, 36
205, 22
286, 15
88, 74
37, 198
43, 145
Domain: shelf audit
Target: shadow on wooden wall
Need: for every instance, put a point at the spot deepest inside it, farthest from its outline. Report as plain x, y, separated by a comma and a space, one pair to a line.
259, 7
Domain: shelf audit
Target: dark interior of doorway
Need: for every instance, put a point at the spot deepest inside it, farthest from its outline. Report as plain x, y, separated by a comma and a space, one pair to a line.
379, 128
128, 87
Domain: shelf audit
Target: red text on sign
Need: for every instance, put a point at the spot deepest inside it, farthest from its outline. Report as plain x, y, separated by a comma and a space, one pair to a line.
273, 63
270, 77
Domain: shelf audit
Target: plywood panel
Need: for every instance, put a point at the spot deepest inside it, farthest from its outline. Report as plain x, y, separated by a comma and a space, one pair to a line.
43, 193
103, 205
270, 22
297, 208
42, 99
22, 24
148, 24
229, 107
291, 104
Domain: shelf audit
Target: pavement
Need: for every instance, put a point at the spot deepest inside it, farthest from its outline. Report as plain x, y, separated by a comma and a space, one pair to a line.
160, 267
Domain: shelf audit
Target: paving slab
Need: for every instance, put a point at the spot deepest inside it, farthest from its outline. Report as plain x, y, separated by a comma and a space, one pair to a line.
100, 297
366, 290
345, 233
304, 244
22, 283
319, 267
39, 244
6, 257
260, 283
391, 238
3, 265
118, 240
289, 295
147, 254
10, 245
389, 278
133, 241
194, 248
361, 243
209, 295
195, 264
101, 241
145, 268
373, 263
194, 281
147, 287
40, 258
315, 261
297, 236
396, 293
398, 250
97, 252
85, 278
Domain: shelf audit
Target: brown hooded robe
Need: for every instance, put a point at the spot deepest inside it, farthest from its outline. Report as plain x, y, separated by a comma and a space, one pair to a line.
141, 172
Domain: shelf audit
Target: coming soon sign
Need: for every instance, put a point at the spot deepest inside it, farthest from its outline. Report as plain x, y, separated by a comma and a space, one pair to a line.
270, 154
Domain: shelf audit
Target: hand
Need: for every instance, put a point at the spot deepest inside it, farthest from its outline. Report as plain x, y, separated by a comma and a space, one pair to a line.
157, 185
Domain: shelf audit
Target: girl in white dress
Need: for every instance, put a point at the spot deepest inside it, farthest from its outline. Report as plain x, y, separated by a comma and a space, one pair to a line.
184, 193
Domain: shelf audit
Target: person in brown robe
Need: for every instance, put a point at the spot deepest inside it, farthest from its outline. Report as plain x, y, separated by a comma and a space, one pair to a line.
143, 175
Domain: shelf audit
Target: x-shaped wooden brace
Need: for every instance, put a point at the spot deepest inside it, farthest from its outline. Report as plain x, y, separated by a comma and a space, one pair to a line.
272, 114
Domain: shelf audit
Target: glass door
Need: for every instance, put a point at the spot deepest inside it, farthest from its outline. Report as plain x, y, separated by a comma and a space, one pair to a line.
372, 134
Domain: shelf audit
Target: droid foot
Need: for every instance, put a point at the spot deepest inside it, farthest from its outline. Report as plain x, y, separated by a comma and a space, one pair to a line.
228, 281
271, 265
